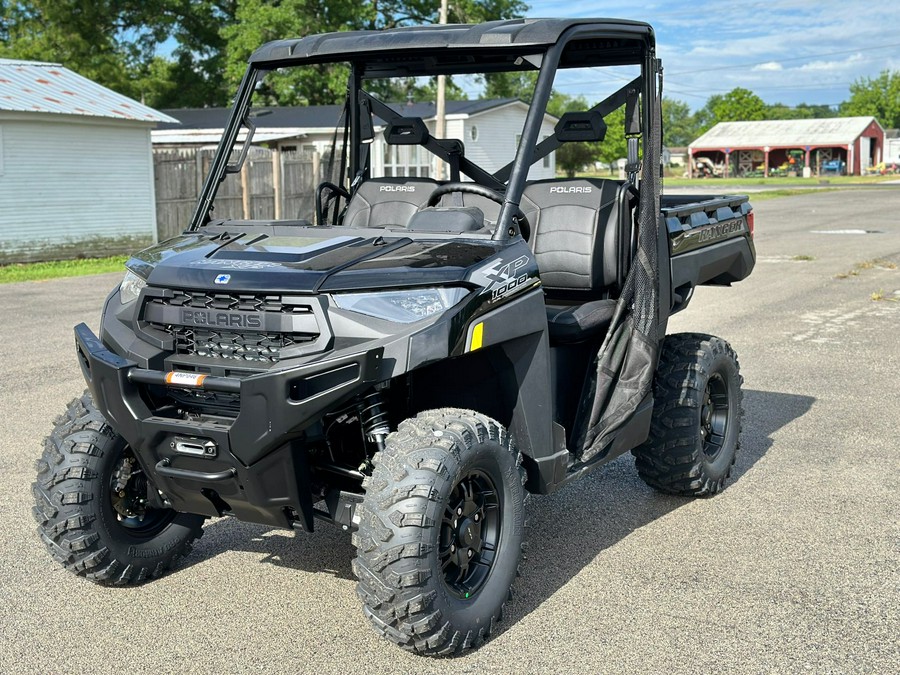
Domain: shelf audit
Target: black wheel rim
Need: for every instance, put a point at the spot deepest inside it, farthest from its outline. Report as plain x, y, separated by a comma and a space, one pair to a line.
714, 415
470, 534
128, 497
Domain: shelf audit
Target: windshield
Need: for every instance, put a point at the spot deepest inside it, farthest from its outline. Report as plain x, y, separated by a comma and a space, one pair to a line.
307, 137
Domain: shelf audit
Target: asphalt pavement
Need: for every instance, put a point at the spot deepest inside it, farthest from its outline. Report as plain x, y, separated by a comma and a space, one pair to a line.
794, 567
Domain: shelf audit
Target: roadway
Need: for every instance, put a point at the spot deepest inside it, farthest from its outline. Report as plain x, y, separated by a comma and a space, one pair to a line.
794, 567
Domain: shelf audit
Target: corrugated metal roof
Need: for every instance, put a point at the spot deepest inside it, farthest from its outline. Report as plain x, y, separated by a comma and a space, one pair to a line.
833, 131
35, 86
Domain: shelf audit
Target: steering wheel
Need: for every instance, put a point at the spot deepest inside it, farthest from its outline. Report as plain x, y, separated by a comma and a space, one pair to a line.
322, 206
481, 191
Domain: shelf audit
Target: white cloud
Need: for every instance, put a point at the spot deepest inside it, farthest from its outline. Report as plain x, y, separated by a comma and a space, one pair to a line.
789, 51
831, 66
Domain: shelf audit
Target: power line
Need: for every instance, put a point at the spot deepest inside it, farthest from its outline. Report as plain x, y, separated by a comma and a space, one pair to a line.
793, 58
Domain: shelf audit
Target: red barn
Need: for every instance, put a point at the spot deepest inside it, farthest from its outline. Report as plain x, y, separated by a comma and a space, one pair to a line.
771, 146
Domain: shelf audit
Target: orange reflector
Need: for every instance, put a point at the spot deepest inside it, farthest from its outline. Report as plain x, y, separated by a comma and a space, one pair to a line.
185, 379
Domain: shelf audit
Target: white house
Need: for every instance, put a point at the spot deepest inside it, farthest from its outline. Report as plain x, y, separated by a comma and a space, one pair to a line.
892, 146
489, 129
76, 166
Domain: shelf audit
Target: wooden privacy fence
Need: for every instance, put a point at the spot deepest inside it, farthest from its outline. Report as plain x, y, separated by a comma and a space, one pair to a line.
273, 184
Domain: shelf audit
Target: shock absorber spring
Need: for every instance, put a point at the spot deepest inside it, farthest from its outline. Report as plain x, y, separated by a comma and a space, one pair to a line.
373, 416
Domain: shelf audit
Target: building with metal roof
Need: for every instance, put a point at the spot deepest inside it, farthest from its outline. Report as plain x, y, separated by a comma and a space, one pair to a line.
76, 166
775, 146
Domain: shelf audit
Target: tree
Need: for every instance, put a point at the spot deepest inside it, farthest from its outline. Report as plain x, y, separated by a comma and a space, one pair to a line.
510, 85
614, 146
82, 38
115, 43
573, 157
738, 105
173, 53
258, 21
679, 125
801, 111
878, 96
780, 111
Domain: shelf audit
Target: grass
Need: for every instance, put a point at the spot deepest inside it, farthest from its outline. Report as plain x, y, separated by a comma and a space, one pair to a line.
868, 265
782, 182
41, 271
879, 296
776, 183
786, 192
878, 262
803, 258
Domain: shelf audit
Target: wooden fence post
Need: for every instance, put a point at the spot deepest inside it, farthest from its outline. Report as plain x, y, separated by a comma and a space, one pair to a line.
245, 189
276, 180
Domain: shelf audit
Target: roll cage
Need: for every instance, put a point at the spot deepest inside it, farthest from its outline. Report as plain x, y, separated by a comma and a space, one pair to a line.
501, 46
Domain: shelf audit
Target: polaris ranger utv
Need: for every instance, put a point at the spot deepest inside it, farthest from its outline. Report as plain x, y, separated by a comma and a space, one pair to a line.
427, 351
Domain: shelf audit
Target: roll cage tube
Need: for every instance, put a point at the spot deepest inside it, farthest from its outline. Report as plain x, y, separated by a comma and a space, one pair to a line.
219, 166
522, 162
442, 148
518, 170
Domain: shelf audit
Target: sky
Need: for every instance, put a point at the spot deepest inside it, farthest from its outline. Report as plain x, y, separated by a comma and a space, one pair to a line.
786, 51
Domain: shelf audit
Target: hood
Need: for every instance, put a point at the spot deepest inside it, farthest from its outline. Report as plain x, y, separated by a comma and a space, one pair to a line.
307, 260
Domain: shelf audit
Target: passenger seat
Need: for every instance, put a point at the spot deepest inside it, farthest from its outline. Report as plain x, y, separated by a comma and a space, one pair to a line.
579, 238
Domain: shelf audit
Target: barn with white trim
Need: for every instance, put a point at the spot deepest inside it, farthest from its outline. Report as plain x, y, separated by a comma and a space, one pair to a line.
849, 144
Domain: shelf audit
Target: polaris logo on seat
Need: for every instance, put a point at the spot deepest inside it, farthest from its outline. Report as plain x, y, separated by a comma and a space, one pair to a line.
580, 190
397, 188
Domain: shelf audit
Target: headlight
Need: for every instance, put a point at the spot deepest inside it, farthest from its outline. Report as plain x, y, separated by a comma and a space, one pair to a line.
401, 306
130, 288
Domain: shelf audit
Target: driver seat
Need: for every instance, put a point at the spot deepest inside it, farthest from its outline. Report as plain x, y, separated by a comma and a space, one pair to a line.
387, 202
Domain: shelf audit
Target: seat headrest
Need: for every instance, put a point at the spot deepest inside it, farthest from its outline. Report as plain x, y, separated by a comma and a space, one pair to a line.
406, 131
389, 201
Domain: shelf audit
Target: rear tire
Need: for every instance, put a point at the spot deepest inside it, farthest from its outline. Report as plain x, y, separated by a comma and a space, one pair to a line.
695, 432
441, 530
94, 531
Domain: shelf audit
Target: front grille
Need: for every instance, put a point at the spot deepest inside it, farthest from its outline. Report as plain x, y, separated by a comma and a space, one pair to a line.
262, 344
244, 302
263, 347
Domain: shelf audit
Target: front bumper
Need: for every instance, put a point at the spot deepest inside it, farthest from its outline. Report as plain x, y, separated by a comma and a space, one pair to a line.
255, 465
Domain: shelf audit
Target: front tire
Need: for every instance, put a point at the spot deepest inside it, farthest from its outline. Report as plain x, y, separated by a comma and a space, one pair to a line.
441, 530
88, 505
695, 432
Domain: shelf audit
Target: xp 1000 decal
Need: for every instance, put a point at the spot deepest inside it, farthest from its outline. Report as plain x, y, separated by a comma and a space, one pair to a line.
501, 278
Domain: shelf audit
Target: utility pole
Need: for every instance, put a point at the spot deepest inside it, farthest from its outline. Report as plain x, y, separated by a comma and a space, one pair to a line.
440, 122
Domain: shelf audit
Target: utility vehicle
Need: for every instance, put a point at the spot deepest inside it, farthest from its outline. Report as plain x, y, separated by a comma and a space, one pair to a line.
428, 352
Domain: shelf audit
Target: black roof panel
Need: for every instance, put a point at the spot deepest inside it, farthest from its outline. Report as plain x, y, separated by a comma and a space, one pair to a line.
537, 33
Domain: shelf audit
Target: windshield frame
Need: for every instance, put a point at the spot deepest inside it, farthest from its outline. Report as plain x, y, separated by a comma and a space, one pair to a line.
550, 58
